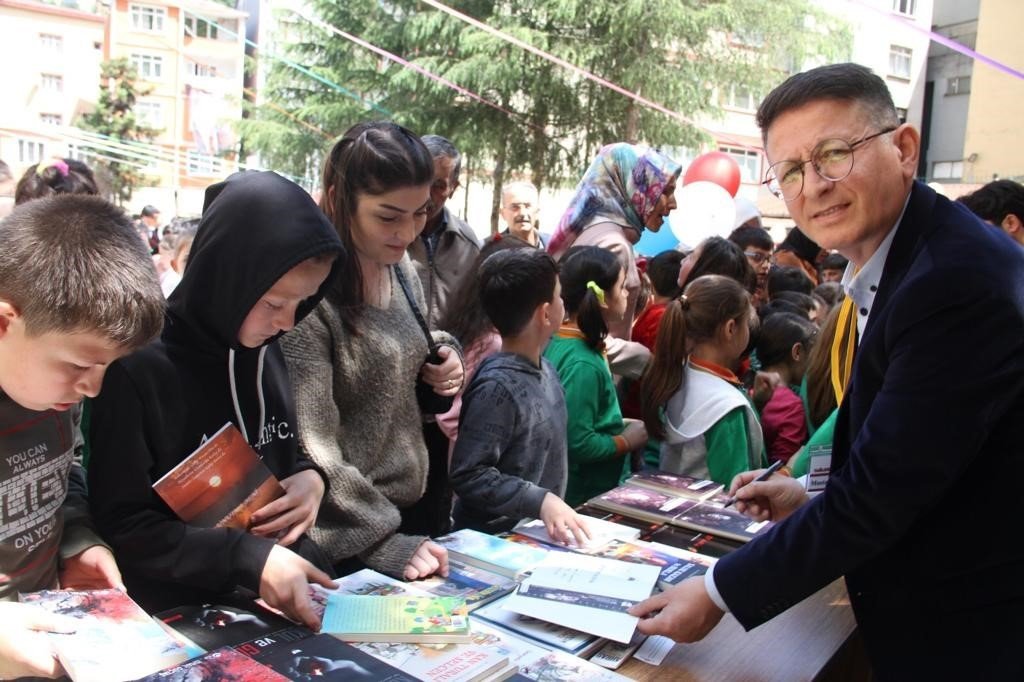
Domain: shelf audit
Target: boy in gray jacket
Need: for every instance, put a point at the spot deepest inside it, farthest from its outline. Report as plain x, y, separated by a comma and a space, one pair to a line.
510, 459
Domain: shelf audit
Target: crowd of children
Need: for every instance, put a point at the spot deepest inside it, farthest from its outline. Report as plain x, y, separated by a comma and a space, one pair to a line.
303, 326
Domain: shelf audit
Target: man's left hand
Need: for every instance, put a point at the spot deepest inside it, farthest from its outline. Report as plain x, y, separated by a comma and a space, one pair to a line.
92, 569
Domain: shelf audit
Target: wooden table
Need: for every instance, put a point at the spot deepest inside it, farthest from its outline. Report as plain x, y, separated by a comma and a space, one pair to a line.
814, 640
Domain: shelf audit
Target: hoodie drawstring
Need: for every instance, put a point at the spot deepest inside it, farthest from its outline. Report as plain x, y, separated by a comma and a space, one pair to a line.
259, 392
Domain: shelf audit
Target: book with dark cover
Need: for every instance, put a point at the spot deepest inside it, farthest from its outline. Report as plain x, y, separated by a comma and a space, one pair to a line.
641, 503
677, 485
673, 569
213, 626
726, 522
220, 665
645, 527
114, 638
220, 484
319, 657
693, 541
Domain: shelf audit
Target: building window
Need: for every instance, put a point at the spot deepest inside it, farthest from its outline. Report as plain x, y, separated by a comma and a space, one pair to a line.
202, 164
51, 42
959, 85
149, 66
150, 114
30, 151
904, 6
146, 18
741, 98
219, 29
51, 119
749, 161
201, 70
52, 82
899, 61
948, 170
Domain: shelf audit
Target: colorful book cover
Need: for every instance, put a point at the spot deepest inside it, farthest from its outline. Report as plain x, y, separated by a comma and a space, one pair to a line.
399, 618
673, 569
642, 503
526, 656
585, 593
601, 532
677, 485
114, 638
490, 553
709, 517
532, 542
475, 585
436, 662
546, 634
213, 626
221, 665
320, 657
694, 541
220, 484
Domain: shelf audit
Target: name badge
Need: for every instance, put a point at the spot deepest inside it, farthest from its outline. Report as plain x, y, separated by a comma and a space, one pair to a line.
820, 457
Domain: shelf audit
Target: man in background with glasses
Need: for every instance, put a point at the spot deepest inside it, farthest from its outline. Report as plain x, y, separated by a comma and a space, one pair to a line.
921, 511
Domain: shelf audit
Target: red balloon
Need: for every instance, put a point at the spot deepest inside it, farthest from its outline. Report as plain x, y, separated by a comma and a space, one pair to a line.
716, 167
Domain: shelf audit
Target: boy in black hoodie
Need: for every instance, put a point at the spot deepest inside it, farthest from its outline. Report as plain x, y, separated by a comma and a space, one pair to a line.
511, 458
260, 262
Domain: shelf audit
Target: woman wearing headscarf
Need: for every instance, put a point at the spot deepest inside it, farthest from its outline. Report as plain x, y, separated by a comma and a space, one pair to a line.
627, 189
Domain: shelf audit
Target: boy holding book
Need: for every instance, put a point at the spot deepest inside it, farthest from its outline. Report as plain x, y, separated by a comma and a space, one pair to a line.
510, 461
77, 291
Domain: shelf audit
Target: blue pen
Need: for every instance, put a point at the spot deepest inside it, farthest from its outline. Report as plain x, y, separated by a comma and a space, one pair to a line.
763, 477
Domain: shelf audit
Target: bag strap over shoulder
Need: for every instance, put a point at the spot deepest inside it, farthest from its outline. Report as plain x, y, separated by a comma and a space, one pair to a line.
402, 282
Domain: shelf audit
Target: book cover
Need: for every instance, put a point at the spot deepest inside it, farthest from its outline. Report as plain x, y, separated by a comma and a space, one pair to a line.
398, 618
678, 485
532, 542
213, 626
601, 532
220, 484
220, 665
114, 638
475, 585
613, 654
709, 517
556, 666
490, 553
546, 634
693, 541
441, 662
673, 569
644, 527
585, 593
319, 657
642, 503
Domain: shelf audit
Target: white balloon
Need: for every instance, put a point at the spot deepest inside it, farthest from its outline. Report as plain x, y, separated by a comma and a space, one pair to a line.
704, 210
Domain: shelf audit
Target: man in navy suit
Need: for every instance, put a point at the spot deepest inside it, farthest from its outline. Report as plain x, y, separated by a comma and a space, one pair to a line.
921, 511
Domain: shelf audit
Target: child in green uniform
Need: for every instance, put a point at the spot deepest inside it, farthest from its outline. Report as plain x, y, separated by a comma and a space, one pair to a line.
692, 399
593, 289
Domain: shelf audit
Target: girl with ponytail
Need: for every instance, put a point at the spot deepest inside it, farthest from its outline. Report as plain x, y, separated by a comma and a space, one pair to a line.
593, 289
692, 400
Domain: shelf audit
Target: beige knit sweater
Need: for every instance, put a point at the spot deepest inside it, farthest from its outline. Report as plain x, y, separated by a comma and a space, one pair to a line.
359, 421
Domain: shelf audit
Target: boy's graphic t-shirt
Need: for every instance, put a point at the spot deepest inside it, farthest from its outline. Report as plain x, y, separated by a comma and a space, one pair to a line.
36, 455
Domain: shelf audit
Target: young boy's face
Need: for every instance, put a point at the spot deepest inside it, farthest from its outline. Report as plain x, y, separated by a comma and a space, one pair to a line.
275, 311
556, 313
53, 370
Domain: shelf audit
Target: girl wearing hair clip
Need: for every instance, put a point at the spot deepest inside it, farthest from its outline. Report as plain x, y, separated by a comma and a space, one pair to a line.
56, 176
593, 289
692, 400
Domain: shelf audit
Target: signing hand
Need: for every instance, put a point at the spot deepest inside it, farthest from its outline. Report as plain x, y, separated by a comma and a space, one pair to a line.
562, 523
686, 614
771, 500
91, 569
430, 558
25, 649
294, 512
284, 584
447, 377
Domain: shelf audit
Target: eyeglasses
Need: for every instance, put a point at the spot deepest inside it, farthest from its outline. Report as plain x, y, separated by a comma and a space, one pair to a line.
757, 257
831, 159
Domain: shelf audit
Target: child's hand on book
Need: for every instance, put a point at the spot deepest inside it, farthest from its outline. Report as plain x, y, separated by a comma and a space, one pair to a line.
429, 558
292, 514
562, 523
91, 569
25, 648
284, 585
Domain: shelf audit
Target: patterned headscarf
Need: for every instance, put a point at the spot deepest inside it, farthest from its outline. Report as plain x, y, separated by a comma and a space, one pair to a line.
622, 186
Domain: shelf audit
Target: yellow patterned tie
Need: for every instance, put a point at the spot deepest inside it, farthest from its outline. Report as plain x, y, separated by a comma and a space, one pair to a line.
842, 354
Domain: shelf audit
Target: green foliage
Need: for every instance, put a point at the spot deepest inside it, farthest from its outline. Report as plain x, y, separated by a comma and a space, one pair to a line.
679, 54
114, 117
